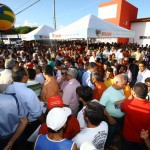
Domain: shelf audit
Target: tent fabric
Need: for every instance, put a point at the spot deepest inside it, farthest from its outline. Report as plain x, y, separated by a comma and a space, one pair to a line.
41, 33
91, 26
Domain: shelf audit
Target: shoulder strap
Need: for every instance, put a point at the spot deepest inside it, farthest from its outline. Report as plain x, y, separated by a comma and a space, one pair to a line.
17, 103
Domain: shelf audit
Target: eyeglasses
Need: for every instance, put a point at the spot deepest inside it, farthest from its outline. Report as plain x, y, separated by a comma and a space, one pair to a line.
64, 73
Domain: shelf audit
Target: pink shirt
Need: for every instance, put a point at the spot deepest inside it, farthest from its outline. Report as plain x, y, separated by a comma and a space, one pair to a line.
61, 84
70, 97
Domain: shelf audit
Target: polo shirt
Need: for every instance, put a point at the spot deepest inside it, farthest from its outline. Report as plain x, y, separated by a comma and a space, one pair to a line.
137, 117
108, 99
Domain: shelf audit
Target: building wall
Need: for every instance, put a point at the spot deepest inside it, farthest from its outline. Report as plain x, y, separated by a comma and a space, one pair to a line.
119, 12
110, 11
141, 29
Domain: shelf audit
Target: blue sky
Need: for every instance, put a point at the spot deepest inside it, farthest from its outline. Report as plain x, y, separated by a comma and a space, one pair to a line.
67, 11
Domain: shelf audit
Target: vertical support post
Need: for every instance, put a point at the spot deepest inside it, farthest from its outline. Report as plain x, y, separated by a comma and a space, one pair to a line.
54, 16
2, 37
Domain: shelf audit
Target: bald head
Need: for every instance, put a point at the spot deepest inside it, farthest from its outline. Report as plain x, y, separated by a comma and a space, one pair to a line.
120, 81
120, 78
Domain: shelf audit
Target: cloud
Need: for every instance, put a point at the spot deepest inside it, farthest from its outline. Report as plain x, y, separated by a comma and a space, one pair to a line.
61, 26
28, 23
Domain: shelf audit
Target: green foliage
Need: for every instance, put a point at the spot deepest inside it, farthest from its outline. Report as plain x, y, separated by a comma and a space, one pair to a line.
20, 30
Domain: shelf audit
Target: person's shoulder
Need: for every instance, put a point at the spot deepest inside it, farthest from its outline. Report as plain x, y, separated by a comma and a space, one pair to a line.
110, 88
103, 123
147, 70
85, 73
9, 88
29, 91
6, 97
127, 102
41, 136
102, 126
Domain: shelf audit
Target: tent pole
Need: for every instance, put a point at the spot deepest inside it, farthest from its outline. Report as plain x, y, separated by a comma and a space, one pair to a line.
87, 44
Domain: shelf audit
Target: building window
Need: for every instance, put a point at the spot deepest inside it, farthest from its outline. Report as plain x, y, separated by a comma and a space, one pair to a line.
144, 37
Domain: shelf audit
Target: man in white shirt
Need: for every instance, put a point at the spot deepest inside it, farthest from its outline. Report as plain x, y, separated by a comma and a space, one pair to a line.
39, 76
84, 94
6, 75
96, 130
93, 57
143, 72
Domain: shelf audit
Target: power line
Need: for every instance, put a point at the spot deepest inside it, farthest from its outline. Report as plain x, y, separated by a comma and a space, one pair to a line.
27, 7
74, 11
22, 5
78, 10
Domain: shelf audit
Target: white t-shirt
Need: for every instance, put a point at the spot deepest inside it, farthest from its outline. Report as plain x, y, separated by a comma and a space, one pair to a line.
39, 78
58, 74
143, 75
80, 116
97, 136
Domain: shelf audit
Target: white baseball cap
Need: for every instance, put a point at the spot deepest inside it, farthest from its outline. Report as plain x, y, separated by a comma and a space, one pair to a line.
57, 117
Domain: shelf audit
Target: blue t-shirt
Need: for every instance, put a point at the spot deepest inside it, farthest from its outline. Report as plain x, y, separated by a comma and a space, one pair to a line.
44, 143
108, 99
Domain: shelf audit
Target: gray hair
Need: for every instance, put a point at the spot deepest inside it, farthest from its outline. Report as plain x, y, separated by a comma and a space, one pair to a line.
73, 72
9, 63
120, 78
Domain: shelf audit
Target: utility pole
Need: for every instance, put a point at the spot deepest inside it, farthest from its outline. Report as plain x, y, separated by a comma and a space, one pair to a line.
1, 37
54, 17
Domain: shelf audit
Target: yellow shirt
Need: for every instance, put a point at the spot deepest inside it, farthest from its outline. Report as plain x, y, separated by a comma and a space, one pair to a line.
109, 82
127, 91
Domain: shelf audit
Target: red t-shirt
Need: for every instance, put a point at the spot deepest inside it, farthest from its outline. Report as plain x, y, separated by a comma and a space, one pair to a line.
70, 131
137, 117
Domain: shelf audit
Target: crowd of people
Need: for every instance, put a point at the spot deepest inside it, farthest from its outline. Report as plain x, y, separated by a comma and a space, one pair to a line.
67, 96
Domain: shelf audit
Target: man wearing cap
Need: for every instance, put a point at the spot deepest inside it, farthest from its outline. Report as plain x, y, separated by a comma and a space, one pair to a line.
6, 75
72, 126
55, 120
69, 94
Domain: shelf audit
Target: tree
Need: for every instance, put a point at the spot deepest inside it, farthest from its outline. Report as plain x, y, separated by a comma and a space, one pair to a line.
20, 30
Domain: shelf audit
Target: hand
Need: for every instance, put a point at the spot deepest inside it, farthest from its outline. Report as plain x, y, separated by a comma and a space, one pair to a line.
63, 78
111, 120
130, 97
8, 147
144, 134
119, 102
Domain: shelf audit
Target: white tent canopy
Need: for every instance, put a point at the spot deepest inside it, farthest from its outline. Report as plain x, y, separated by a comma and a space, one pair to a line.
91, 27
41, 33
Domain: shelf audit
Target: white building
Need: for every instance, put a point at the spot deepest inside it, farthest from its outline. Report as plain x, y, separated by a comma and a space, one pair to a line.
142, 31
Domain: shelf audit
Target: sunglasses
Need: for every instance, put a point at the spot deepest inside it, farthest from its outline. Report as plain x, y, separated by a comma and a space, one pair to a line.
64, 73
